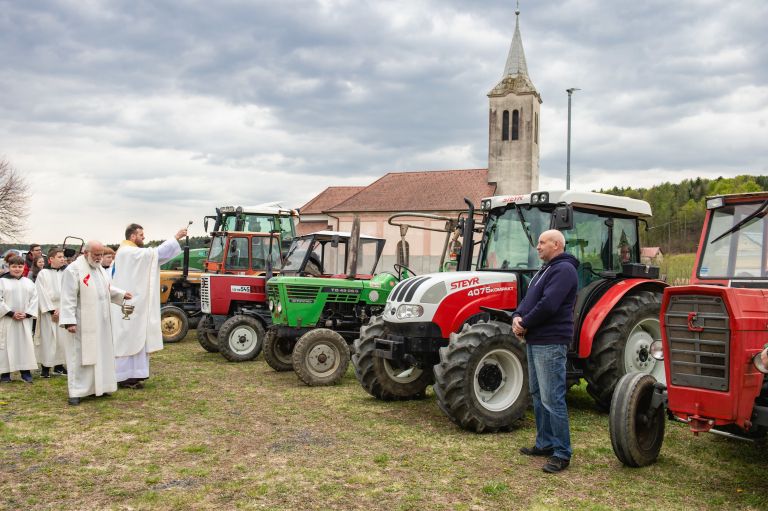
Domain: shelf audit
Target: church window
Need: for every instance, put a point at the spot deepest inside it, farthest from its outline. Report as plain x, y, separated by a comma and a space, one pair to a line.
505, 125
515, 124
536, 128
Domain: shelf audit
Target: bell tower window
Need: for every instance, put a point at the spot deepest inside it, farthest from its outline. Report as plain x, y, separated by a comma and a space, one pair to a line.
505, 125
515, 124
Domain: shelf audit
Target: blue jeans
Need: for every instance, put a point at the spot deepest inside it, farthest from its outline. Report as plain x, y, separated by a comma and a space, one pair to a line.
546, 381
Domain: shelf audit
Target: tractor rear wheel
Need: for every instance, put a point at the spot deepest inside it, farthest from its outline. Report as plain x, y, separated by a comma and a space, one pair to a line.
278, 351
481, 382
174, 324
637, 430
206, 334
385, 379
321, 357
622, 345
241, 338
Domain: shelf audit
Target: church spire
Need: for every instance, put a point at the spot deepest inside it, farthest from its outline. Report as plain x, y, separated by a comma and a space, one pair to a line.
516, 59
515, 78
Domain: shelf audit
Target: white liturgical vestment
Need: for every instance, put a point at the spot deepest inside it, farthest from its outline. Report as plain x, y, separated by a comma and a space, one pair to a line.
49, 338
137, 270
17, 351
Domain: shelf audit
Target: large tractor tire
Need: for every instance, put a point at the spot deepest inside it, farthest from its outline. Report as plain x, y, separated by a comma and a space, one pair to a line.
241, 338
622, 345
481, 382
174, 324
382, 378
206, 334
637, 431
278, 351
320, 357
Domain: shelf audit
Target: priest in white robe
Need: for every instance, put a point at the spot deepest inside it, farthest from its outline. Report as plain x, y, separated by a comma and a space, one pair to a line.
137, 268
85, 312
18, 306
49, 338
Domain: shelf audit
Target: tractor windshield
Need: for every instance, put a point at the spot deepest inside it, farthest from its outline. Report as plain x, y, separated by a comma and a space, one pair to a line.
505, 243
216, 252
296, 255
735, 244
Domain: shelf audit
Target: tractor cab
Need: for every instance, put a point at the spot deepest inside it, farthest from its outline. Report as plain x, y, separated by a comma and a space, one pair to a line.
329, 254
713, 331
242, 253
263, 219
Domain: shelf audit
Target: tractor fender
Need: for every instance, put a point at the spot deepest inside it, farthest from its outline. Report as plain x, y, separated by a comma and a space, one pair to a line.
593, 320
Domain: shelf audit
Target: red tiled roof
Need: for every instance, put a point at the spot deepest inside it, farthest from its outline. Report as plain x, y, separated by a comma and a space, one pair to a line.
436, 190
328, 198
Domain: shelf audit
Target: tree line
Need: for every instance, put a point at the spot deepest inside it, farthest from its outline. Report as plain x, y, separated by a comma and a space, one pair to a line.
679, 208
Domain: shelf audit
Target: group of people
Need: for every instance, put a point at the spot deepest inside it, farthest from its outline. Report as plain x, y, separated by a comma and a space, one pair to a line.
80, 330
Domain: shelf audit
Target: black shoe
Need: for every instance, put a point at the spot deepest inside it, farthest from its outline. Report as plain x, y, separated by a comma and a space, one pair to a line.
59, 370
45, 372
73, 401
26, 376
535, 451
5, 379
555, 464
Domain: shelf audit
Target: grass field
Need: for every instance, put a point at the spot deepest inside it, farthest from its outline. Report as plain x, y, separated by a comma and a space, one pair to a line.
207, 434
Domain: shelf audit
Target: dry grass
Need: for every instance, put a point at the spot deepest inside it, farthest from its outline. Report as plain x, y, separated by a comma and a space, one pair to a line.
210, 434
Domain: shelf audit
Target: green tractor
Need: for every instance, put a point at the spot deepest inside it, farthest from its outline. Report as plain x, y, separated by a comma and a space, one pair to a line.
325, 292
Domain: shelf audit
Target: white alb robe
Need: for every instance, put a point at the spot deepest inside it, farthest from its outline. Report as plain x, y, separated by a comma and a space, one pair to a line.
137, 270
89, 352
17, 349
49, 338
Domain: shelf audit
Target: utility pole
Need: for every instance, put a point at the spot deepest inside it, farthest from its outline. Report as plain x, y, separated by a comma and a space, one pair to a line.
568, 162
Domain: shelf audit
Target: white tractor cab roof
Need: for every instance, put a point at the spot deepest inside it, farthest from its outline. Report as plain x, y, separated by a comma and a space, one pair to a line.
591, 200
718, 201
261, 209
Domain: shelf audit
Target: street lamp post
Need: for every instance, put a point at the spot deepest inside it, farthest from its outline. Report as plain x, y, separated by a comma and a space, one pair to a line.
568, 162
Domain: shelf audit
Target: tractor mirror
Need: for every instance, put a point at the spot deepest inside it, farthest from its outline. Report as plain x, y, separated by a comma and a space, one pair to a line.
562, 218
645, 222
335, 241
205, 224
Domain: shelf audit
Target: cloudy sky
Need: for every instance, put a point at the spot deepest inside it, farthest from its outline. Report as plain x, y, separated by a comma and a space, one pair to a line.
156, 111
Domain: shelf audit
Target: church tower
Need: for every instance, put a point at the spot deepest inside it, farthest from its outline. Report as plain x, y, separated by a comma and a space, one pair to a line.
513, 146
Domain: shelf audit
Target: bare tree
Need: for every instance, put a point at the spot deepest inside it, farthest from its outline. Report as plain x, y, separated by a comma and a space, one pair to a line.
14, 196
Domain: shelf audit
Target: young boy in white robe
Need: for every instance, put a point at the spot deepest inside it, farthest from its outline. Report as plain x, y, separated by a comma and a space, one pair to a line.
18, 306
49, 342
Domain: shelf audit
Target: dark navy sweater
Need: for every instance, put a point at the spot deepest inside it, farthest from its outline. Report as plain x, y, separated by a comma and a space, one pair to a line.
547, 309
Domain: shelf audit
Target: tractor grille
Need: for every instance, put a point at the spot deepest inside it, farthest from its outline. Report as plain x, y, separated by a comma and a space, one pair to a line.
698, 332
273, 293
302, 292
205, 294
343, 298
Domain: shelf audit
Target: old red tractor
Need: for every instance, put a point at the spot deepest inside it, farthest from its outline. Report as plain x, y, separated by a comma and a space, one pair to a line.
713, 331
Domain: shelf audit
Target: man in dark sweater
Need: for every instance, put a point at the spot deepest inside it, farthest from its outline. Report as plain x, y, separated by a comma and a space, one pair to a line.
545, 318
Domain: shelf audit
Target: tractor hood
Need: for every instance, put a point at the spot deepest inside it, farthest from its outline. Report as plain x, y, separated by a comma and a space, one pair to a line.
445, 298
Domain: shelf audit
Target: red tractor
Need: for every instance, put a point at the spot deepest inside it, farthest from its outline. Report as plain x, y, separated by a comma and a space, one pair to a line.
713, 331
452, 330
234, 304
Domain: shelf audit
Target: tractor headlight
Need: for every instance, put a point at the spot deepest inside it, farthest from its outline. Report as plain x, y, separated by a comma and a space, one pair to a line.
657, 352
407, 311
279, 308
271, 306
757, 361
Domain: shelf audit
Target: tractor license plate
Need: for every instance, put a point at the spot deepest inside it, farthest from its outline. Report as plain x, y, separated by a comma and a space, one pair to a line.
240, 289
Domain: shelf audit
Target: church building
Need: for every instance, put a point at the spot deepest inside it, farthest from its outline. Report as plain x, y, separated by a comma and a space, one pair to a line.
513, 168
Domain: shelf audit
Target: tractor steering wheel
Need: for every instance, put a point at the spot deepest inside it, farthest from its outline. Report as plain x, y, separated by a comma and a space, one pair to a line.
399, 270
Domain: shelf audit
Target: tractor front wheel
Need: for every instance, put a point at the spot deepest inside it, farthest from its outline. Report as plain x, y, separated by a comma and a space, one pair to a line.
278, 351
241, 338
636, 428
385, 379
622, 345
174, 324
481, 382
206, 334
321, 357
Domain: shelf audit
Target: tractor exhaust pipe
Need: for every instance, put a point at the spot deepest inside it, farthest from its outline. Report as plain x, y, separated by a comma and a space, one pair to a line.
467, 243
354, 245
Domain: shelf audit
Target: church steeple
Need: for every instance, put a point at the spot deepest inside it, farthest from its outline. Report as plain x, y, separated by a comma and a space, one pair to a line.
513, 145
515, 77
